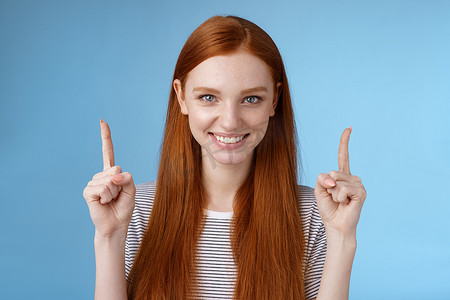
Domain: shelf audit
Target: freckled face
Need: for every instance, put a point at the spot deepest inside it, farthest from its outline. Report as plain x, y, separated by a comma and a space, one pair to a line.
232, 97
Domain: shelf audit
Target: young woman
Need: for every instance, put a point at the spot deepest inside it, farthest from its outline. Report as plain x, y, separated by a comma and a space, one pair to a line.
225, 218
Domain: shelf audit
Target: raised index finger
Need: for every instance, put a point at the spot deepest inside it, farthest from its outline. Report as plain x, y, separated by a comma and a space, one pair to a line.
107, 146
343, 160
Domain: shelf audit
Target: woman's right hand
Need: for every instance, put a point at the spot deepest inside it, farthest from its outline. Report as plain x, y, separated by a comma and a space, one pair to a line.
110, 194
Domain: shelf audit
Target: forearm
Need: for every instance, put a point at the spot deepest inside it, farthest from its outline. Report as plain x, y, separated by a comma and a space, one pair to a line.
337, 269
110, 282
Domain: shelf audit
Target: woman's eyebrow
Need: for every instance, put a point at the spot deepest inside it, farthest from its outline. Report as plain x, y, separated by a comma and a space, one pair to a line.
205, 90
255, 89
214, 91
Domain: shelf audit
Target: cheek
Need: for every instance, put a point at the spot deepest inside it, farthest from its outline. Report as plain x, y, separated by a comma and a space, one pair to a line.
260, 124
199, 120
259, 121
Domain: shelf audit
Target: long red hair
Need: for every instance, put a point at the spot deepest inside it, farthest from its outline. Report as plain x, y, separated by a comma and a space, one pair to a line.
266, 232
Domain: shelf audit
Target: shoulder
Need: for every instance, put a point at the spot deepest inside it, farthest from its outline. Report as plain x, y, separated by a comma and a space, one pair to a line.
145, 194
146, 189
306, 194
312, 225
307, 204
315, 240
143, 204
309, 213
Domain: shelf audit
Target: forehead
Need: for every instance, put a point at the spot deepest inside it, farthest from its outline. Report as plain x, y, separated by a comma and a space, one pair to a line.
239, 69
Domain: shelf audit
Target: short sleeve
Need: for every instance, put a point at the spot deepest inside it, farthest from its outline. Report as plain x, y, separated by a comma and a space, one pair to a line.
315, 241
145, 194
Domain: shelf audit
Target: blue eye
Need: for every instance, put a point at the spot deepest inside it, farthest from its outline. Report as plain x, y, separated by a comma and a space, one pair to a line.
256, 99
207, 98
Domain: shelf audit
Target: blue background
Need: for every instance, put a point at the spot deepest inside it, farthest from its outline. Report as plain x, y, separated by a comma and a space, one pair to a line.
382, 67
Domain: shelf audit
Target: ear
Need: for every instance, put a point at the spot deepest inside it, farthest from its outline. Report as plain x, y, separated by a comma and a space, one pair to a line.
179, 92
276, 97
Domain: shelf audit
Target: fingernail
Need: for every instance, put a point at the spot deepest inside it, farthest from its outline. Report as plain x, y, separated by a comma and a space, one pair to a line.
330, 182
101, 121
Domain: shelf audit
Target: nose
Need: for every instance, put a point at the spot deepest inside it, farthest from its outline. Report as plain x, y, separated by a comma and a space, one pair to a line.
230, 117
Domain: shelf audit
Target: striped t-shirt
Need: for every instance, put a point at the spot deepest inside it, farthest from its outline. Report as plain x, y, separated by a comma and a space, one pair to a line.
217, 271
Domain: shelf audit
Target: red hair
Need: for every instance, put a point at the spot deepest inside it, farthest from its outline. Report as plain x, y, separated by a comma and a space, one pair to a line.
266, 234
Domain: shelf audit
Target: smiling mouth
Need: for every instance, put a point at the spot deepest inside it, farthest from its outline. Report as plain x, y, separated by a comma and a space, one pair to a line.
229, 140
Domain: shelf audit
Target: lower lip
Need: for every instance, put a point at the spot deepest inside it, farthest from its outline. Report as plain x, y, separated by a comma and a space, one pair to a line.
228, 146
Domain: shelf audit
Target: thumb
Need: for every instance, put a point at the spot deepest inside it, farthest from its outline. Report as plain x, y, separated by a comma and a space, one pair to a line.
125, 180
324, 182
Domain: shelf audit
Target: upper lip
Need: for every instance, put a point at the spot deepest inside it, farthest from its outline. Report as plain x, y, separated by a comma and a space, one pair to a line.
227, 134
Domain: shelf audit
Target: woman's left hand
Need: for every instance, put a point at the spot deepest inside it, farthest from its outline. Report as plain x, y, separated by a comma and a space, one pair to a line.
340, 195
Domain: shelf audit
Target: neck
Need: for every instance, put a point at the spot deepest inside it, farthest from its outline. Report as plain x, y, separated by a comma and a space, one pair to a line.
221, 182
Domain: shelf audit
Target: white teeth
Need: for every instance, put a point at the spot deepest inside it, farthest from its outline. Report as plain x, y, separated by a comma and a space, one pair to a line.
228, 140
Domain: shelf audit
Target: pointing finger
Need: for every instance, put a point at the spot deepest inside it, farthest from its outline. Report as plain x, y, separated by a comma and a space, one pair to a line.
107, 146
343, 160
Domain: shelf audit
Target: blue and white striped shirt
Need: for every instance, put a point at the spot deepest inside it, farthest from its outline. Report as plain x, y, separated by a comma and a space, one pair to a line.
217, 271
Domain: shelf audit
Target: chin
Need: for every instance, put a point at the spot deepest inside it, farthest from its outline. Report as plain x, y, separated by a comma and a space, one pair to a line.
232, 159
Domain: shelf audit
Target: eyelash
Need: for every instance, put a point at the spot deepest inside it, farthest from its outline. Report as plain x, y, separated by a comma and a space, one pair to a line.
257, 97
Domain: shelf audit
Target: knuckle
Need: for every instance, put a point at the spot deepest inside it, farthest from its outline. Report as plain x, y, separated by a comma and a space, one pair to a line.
116, 170
333, 173
108, 180
87, 193
323, 175
357, 178
97, 175
103, 189
92, 182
